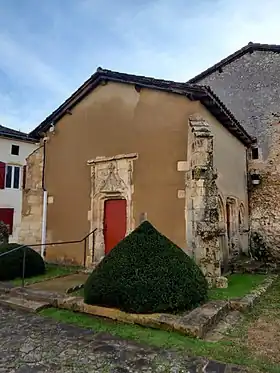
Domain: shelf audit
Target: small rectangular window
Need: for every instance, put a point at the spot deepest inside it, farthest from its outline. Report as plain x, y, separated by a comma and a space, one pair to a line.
9, 170
255, 153
16, 177
15, 150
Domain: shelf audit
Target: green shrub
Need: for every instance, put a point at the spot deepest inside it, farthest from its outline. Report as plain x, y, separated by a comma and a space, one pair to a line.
259, 250
146, 273
11, 264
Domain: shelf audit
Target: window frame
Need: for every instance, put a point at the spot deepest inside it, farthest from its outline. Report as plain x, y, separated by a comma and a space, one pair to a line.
255, 153
13, 167
14, 146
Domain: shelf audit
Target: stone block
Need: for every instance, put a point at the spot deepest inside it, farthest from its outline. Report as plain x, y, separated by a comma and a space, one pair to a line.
181, 194
50, 200
182, 166
221, 282
71, 303
197, 322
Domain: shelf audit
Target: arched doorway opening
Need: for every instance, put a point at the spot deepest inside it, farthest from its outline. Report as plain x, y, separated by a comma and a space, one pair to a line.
231, 214
222, 238
241, 227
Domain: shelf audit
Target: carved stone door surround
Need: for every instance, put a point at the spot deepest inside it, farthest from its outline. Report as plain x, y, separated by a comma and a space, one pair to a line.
111, 178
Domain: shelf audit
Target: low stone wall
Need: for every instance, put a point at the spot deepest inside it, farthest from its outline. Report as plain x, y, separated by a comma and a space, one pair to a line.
195, 323
249, 300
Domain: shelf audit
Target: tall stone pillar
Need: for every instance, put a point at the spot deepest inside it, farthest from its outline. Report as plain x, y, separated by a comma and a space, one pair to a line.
203, 228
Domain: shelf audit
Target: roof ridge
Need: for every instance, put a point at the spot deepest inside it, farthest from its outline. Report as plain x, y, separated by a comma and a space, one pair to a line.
187, 84
249, 48
191, 91
12, 130
14, 134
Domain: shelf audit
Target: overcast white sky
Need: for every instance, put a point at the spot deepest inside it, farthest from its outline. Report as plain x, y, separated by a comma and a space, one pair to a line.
50, 47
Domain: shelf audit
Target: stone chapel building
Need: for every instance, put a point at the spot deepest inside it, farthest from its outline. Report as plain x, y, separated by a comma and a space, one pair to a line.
248, 82
126, 147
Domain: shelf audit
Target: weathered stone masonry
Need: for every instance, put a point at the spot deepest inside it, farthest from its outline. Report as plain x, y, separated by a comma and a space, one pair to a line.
31, 225
203, 228
250, 88
265, 198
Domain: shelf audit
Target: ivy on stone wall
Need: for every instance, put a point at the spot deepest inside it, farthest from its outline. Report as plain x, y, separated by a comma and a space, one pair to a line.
4, 233
259, 250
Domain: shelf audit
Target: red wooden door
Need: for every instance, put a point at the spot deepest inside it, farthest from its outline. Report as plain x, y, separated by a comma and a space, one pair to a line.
114, 222
7, 216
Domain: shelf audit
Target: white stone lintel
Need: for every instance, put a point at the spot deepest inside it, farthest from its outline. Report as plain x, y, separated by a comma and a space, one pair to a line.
114, 158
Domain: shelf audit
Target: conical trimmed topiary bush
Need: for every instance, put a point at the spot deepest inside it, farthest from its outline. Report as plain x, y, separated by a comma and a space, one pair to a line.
146, 273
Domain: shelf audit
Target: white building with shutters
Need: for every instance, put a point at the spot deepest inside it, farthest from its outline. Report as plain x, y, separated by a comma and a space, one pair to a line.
15, 147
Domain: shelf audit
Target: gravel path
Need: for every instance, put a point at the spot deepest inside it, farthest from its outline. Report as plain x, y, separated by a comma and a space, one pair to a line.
32, 344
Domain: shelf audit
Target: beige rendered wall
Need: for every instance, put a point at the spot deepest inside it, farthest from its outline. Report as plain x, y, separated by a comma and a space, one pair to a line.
229, 159
116, 119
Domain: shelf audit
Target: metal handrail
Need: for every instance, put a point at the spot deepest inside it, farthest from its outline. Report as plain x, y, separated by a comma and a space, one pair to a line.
10, 251
84, 239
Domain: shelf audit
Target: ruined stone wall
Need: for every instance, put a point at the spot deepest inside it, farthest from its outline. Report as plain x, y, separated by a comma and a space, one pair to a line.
30, 232
265, 197
250, 88
230, 160
202, 197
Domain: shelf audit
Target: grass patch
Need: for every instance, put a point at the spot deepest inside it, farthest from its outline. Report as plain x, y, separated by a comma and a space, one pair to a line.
52, 271
238, 286
78, 293
260, 329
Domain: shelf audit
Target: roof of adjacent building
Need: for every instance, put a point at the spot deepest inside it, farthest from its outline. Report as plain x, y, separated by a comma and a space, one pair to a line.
249, 48
12, 134
193, 92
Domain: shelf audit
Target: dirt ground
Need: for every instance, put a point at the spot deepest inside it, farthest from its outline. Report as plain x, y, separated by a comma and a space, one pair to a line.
260, 330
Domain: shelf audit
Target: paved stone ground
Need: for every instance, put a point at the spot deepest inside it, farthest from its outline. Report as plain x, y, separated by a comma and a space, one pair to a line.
60, 284
32, 344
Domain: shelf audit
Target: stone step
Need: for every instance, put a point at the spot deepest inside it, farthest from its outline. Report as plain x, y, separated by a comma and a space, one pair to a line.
199, 321
219, 331
204, 318
37, 295
61, 285
23, 304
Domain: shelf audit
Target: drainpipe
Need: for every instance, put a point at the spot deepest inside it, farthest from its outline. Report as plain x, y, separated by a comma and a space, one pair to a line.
45, 203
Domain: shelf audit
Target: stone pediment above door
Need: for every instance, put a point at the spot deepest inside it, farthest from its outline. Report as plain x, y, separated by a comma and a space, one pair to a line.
109, 180
112, 174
